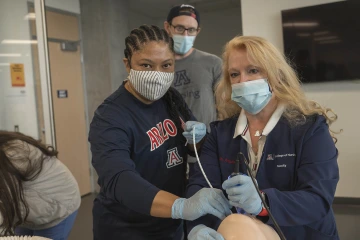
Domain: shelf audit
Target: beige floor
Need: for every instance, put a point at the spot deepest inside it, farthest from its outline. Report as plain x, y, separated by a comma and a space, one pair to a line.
347, 219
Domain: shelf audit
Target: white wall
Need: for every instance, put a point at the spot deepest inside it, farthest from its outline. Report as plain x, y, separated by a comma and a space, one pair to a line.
263, 18
217, 29
343, 98
18, 103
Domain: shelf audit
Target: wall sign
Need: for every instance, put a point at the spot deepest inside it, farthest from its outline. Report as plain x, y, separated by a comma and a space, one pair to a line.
62, 93
17, 75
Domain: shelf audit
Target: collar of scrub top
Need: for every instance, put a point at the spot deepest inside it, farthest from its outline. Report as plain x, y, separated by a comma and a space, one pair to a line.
242, 126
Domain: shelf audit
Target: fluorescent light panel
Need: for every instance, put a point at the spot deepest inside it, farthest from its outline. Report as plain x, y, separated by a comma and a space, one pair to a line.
10, 55
13, 41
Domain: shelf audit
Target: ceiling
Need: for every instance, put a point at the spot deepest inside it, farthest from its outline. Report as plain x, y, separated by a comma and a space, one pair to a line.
159, 8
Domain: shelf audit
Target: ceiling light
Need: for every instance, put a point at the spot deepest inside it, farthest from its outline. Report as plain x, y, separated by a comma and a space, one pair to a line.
10, 55
301, 24
10, 41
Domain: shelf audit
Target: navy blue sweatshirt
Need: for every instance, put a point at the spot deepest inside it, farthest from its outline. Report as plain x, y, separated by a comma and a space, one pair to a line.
298, 171
136, 152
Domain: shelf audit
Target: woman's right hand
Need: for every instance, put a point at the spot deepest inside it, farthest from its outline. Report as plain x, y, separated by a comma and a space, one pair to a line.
206, 201
202, 232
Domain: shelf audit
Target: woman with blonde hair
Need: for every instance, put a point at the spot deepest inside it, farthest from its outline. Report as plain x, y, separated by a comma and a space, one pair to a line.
285, 140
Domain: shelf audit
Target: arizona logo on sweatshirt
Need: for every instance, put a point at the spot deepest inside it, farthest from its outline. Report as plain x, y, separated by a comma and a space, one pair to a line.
161, 133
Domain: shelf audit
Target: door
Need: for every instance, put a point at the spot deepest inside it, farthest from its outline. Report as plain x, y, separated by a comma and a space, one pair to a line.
68, 95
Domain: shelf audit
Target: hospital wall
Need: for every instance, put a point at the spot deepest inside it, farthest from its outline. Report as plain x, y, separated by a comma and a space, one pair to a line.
263, 18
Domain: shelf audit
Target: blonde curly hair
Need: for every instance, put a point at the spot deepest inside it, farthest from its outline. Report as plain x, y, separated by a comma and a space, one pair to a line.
281, 76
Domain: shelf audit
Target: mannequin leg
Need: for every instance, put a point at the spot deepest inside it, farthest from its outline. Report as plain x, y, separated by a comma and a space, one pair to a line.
238, 226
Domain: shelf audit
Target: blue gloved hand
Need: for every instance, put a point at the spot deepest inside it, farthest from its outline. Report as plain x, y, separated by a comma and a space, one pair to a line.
206, 201
202, 232
244, 195
200, 131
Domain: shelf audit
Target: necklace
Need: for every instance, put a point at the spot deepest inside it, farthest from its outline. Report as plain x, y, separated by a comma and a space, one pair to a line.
257, 133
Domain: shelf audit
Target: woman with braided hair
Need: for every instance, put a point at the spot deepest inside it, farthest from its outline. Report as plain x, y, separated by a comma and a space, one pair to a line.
138, 141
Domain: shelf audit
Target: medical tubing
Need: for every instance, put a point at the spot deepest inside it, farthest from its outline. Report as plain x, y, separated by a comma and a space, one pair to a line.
277, 228
197, 158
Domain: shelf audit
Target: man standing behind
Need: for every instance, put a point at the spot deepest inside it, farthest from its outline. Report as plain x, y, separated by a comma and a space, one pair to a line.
196, 72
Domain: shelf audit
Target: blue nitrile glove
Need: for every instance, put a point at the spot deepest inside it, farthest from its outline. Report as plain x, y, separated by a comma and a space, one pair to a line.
202, 232
206, 201
244, 195
200, 131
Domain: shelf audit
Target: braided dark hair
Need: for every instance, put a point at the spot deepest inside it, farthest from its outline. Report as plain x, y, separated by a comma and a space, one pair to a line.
134, 42
140, 36
175, 104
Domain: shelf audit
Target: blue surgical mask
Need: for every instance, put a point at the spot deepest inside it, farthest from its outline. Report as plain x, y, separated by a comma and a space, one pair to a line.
252, 96
182, 44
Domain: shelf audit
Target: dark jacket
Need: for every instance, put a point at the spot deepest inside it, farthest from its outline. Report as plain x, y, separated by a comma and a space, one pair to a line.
298, 171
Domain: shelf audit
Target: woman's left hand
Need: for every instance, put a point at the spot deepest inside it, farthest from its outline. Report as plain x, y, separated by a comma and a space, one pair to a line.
242, 193
198, 127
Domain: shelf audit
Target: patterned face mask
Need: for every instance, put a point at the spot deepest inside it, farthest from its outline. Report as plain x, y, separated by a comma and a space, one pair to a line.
152, 85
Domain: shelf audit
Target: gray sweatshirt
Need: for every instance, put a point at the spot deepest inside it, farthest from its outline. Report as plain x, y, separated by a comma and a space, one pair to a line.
53, 195
195, 78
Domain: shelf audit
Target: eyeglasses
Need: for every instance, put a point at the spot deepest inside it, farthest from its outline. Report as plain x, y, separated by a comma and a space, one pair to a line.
181, 29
